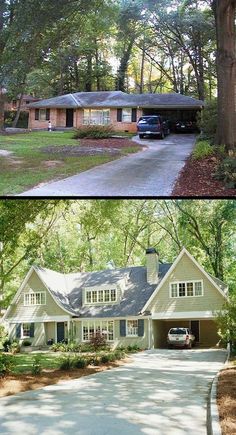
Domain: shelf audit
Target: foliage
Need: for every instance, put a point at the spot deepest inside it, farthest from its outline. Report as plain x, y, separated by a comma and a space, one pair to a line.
66, 362
98, 341
66, 347
94, 132
80, 363
202, 149
37, 366
133, 348
7, 363
6, 344
207, 121
22, 122
26, 343
226, 320
3, 335
226, 172
14, 347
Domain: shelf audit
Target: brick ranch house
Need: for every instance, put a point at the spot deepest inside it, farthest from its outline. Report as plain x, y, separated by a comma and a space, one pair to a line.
117, 108
132, 305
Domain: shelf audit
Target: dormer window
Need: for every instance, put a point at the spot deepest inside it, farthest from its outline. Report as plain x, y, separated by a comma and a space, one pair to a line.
100, 296
35, 298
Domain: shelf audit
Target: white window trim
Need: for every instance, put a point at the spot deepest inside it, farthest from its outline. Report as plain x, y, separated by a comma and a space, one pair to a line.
97, 290
186, 296
87, 322
127, 108
90, 116
131, 335
34, 292
22, 330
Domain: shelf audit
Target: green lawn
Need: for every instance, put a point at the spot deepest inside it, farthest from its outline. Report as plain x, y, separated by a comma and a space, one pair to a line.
24, 362
29, 165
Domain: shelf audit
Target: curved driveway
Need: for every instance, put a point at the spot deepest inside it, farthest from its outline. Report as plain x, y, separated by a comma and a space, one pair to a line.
148, 173
161, 392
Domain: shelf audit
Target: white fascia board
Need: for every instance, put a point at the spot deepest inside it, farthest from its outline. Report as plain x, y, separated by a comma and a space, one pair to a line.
165, 315
178, 258
42, 319
28, 275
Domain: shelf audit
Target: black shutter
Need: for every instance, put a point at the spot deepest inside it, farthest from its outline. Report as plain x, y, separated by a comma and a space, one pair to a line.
134, 115
140, 327
47, 114
32, 330
122, 328
18, 330
119, 115
36, 114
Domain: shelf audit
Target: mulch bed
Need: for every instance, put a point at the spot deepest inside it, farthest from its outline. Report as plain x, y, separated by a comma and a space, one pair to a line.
196, 179
226, 400
92, 147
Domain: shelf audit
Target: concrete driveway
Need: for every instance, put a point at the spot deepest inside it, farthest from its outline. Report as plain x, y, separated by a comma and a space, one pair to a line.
148, 173
161, 392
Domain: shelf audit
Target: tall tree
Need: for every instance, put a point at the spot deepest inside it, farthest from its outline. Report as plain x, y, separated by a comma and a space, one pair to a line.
225, 13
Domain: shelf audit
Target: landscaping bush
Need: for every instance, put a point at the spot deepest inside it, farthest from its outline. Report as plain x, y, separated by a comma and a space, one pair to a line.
66, 363
7, 363
105, 359
6, 345
133, 348
226, 172
98, 341
202, 149
14, 347
65, 347
37, 366
94, 132
80, 363
207, 121
86, 347
26, 343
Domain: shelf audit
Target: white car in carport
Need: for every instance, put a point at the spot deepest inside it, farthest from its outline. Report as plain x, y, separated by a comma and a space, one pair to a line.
180, 337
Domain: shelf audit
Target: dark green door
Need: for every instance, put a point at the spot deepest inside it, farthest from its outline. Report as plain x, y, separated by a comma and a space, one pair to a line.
60, 332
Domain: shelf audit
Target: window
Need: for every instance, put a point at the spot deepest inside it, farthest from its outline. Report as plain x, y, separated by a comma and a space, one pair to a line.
38, 298
126, 115
96, 117
100, 296
42, 114
25, 330
186, 289
91, 327
132, 327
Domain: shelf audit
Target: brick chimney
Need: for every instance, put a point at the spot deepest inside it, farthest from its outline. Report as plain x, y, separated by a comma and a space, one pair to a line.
152, 261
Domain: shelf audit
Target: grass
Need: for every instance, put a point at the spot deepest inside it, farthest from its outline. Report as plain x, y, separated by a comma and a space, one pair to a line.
202, 149
24, 362
29, 164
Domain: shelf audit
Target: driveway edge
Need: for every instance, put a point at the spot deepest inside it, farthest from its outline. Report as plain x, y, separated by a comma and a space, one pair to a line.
213, 419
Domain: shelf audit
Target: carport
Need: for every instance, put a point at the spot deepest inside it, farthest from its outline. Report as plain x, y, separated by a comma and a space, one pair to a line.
205, 331
173, 115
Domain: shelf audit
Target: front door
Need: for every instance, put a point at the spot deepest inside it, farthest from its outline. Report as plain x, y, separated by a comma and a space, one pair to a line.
69, 117
194, 326
60, 332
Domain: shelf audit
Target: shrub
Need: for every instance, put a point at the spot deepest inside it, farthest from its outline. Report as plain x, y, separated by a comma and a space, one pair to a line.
6, 345
202, 149
66, 363
37, 366
86, 347
80, 363
94, 132
7, 362
14, 347
119, 354
105, 359
65, 347
133, 348
207, 121
226, 172
26, 343
98, 341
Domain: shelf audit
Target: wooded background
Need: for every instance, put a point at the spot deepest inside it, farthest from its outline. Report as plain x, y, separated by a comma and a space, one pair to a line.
85, 235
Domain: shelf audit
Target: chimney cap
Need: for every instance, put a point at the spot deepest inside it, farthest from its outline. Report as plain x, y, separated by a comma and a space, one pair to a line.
151, 251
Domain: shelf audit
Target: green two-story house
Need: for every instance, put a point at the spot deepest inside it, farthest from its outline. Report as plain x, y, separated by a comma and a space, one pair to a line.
133, 305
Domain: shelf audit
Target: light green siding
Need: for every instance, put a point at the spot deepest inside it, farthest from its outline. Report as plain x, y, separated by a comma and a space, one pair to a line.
186, 270
28, 313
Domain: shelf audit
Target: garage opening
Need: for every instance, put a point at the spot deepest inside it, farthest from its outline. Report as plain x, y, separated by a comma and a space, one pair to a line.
205, 331
173, 115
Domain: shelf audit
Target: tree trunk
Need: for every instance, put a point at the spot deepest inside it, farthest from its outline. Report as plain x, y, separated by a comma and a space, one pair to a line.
88, 84
226, 73
142, 69
120, 82
14, 124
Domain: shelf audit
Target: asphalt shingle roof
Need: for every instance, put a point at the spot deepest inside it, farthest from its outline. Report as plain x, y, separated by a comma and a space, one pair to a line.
67, 289
109, 99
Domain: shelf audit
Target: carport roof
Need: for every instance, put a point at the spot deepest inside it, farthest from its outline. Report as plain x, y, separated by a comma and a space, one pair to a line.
113, 99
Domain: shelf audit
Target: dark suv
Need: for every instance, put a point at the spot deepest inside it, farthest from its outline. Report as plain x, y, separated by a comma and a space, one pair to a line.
153, 125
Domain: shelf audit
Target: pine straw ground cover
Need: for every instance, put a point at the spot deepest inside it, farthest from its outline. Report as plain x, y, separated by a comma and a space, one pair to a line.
17, 383
196, 179
226, 400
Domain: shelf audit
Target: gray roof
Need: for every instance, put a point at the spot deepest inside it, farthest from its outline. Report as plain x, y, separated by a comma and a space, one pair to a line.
67, 290
109, 99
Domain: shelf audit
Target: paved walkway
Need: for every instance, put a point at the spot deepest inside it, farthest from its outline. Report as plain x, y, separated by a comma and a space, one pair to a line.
161, 392
148, 173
